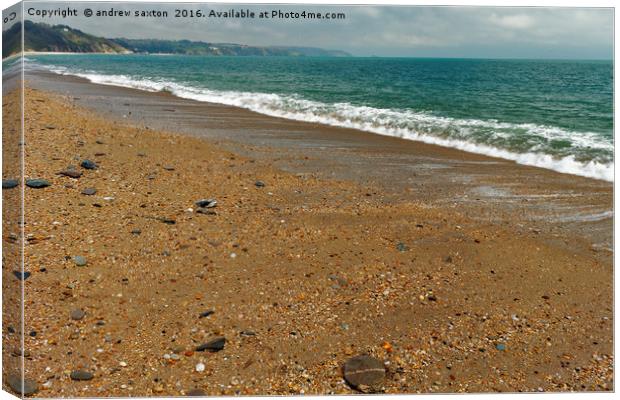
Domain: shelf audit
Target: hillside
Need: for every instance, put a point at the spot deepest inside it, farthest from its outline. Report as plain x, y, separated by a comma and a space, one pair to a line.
60, 38
57, 38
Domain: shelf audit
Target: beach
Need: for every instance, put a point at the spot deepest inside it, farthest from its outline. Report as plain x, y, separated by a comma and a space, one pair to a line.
460, 272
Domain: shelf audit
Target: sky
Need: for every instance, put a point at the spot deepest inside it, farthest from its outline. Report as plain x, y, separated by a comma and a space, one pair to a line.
406, 31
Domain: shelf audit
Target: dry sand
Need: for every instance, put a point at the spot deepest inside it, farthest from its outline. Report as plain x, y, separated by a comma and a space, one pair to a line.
301, 274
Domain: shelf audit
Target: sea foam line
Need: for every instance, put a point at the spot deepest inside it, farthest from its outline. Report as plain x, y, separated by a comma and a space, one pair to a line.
376, 121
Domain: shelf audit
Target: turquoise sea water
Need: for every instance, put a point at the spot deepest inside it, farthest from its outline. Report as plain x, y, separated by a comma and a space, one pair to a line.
552, 114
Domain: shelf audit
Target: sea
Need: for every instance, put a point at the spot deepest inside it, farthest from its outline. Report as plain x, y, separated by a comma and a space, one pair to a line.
554, 114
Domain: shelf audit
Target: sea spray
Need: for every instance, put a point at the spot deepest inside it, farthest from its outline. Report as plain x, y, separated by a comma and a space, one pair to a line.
561, 148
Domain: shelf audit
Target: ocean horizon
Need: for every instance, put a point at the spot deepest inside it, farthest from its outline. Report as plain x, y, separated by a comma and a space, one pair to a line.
554, 114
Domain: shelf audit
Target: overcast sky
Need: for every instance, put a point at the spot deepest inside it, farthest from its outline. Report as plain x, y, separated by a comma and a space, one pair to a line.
475, 32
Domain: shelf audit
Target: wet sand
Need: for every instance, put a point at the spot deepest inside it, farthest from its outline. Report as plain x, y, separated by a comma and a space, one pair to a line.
465, 274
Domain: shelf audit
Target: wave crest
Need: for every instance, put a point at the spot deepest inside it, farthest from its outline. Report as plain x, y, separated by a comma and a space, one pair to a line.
491, 137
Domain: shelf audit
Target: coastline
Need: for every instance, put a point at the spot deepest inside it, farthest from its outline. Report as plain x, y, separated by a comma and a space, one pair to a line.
484, 187
454, 268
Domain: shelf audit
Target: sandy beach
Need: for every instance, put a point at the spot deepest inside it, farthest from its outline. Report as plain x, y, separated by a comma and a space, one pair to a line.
460, 272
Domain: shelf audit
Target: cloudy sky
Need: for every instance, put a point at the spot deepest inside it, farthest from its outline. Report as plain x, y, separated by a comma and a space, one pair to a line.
383, 31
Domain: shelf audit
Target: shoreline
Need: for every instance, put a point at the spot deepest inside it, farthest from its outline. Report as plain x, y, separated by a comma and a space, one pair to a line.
566, 165
445, 174
330, 261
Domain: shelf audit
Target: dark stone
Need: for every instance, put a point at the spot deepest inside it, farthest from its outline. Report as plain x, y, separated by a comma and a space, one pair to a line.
259, 184
206, 313
81, 375
364, 373
9, 183
136, 232
402, 247
247, 333
500, 346
77, 314
167, 221
22, 275
168, 168
71, 173
206, 203
214, 345
37, 183
29, 387
87, 164
196, 392
33, 333
89, 191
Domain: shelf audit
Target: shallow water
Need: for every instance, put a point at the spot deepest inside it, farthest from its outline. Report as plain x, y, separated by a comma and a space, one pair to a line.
551, 114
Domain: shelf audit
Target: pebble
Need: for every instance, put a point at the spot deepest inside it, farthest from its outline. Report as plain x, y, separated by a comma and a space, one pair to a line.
168, 221
206, 313
77, 314
71, 173
402, 247
168, 168
500, 346
122, 364
364, 372
200, 367
80, 261
37, 183
206, 203
9, 183
259, 184
87, 164
89, 191
22, 275
81, 375
30, 387
214, 345
136, 232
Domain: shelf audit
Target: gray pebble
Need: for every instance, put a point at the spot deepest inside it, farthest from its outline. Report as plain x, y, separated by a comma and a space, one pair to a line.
37, 183
364, 373
77, 314
87, 164
206, 203
29, 387
214, 345
81, 375
79, 261
9, 183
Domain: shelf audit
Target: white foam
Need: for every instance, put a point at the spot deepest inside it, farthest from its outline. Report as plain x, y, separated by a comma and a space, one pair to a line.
423, 127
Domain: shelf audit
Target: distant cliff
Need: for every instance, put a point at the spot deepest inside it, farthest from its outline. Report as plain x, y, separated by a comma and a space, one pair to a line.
57, 38
60, 38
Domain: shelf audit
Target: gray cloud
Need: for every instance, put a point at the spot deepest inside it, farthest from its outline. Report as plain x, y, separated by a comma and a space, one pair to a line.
381, 30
